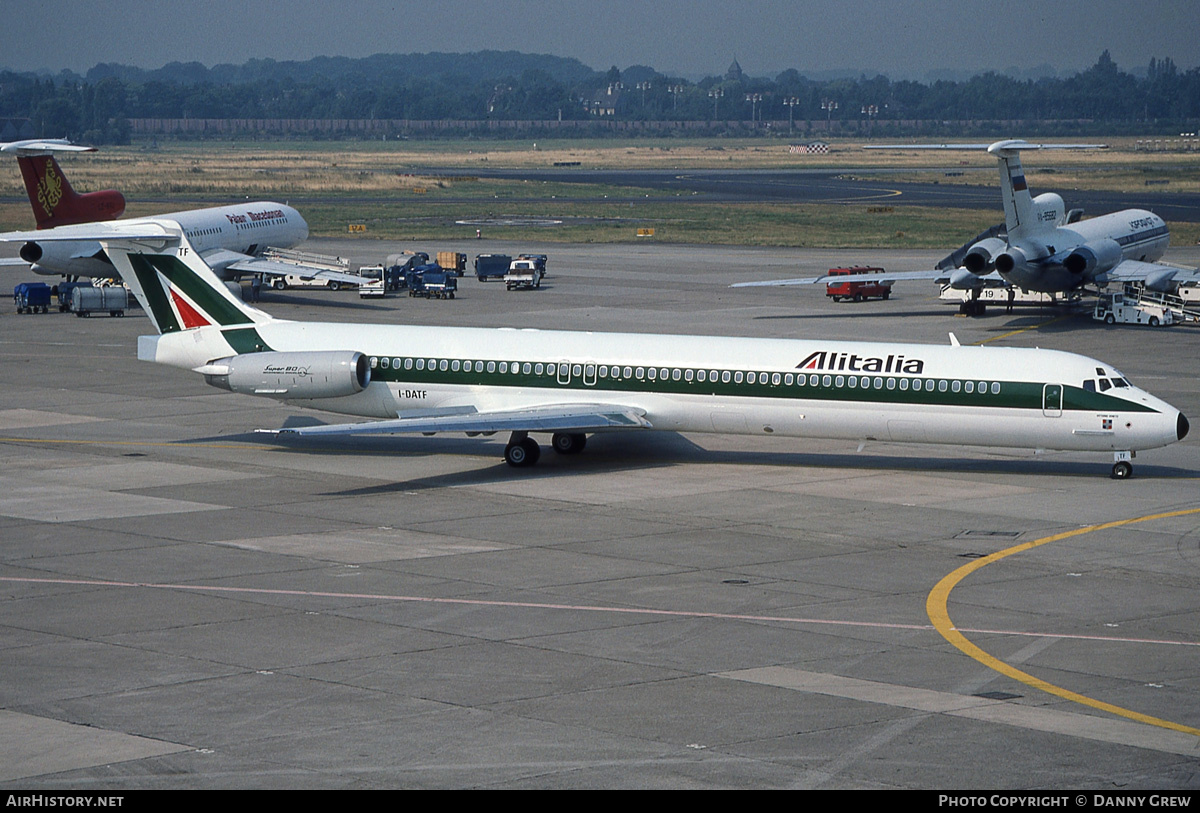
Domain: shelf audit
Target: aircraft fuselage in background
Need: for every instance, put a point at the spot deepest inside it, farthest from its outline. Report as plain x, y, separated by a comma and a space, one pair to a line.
241, 229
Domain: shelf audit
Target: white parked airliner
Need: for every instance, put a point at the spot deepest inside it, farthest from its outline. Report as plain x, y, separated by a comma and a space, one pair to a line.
1047, 249
569, 384
228, 237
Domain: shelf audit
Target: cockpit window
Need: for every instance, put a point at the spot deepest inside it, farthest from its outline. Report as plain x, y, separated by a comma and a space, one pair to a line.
1120, 382
1089, 385
1105, 385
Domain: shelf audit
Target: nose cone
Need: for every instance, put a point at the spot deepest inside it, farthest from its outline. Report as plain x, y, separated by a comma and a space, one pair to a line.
1182, 426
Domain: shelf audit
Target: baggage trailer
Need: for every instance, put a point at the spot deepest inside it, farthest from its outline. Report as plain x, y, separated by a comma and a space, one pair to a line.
492, 266
454, 261
88, 300
432, 282
31, 297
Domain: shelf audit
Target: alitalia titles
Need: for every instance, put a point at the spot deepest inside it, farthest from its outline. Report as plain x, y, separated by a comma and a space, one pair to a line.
854, 363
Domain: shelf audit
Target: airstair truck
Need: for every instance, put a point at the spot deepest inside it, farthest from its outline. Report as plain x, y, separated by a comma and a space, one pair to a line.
1119, 308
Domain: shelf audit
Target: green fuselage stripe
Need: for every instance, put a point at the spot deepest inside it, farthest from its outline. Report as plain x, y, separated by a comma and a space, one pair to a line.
1012, 394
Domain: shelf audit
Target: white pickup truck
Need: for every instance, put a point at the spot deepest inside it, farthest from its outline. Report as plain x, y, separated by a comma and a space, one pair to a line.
523, 274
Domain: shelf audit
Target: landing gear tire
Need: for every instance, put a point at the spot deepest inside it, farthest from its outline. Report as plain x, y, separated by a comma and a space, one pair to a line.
1122, 470
522, 453
568, 443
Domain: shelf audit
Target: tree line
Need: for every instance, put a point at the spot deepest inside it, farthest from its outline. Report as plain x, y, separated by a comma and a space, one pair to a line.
97, 107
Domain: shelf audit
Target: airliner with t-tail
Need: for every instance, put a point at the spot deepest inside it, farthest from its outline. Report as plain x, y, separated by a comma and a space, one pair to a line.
1045, 248
230, 238
409, 379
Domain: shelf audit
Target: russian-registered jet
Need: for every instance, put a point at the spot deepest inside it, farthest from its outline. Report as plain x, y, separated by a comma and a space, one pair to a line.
1045, 248
569, 384
228, 237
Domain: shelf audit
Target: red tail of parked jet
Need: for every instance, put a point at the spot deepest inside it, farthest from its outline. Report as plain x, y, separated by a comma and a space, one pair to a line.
55, 203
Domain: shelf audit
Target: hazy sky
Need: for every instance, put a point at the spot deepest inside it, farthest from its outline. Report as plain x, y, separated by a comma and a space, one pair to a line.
903, 38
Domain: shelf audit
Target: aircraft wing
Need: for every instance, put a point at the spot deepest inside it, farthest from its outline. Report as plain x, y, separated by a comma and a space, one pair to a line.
225, 260
940, 276
555, 418
1156, 276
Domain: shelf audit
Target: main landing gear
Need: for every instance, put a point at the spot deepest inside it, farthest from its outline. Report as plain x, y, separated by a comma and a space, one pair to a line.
523, 450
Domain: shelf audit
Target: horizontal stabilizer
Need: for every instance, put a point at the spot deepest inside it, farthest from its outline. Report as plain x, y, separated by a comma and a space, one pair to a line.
42, 146
140, 229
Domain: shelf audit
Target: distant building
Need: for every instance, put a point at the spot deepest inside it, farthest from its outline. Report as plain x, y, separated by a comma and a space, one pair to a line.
604, 102
734, 74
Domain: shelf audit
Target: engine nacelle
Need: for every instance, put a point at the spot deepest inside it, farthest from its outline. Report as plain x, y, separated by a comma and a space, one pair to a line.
962, 279
31, 252
1093, 258
318, 374
981, 257
1049, 209
1011, 259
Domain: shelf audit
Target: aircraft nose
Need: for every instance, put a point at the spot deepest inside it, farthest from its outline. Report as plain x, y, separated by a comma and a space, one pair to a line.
1182, 426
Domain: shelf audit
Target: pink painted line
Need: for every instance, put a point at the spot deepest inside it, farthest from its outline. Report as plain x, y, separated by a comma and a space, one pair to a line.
578, 608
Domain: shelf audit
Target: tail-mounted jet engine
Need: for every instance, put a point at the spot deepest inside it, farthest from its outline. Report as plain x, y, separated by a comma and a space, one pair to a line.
324, 374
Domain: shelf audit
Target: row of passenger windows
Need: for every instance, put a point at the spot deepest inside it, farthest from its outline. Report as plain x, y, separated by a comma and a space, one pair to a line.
593, 372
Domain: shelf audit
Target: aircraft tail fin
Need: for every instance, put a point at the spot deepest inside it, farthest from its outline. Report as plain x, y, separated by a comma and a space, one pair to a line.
1019, 216
55, 203
176, 287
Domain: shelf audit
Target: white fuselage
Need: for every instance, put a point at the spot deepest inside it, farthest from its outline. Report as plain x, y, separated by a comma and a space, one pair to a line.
1140, 235
243, 228
982, 396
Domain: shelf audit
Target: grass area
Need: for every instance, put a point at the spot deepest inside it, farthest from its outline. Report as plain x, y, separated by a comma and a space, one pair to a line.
675, 222
335, 180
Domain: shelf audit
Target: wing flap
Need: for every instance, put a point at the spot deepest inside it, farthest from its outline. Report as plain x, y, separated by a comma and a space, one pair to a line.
553, 418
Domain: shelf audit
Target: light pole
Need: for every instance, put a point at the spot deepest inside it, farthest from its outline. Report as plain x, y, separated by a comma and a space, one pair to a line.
828, 105
675, 90
754, 99
791, 102
643, 87
715, 94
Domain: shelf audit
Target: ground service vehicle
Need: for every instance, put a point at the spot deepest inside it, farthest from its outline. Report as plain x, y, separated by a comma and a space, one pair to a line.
857, 290
31, 297
1119, 308
431, 282
454, 261
86, 300
523, 274
64, 293
492, 266
538, 259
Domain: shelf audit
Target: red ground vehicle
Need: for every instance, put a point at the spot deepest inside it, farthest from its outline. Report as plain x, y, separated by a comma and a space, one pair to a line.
858, 289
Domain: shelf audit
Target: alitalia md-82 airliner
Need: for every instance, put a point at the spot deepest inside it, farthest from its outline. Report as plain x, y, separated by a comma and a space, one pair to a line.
569, 384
